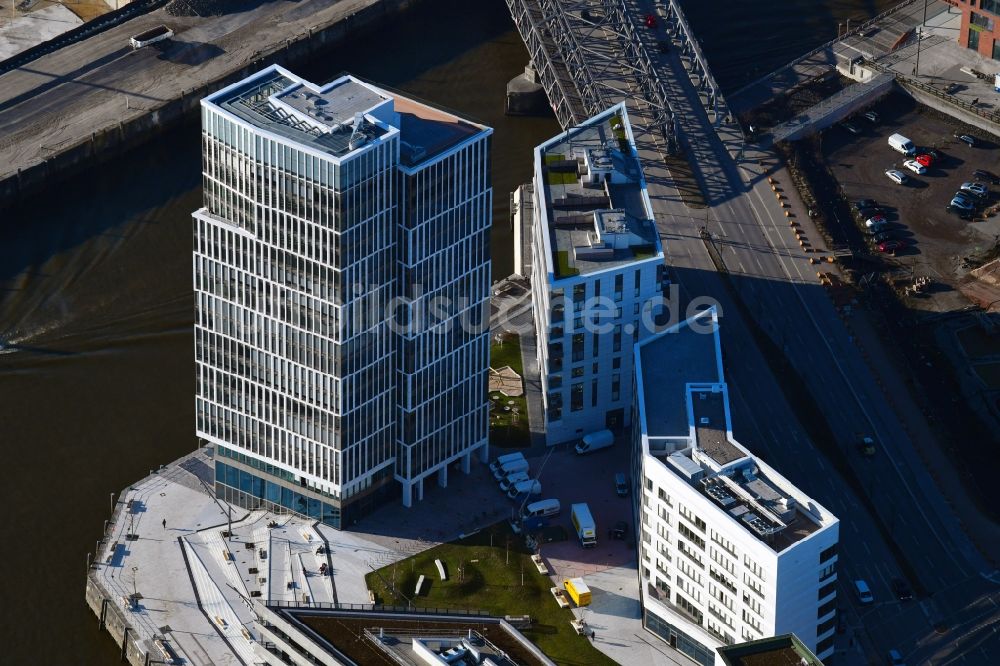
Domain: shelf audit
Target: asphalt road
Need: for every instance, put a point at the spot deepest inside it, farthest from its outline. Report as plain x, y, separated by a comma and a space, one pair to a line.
780, 289
62, 98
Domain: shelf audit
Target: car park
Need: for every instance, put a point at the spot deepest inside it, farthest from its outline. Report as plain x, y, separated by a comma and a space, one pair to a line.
966, 139
850, 127
988, 176
975, 189
896, 176
871, 116
915, 166
901, 589
890, 246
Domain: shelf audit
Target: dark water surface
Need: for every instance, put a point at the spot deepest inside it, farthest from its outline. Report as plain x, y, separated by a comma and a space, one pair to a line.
97, 385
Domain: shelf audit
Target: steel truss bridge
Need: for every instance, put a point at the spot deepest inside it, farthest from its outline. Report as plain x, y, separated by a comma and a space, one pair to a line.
589, 55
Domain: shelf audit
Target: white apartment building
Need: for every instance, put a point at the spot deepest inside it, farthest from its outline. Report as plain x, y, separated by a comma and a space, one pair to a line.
342, 273
596, 271
730, 551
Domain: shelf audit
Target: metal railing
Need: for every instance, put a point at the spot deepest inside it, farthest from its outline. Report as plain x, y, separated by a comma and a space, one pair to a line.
379, 608
992, 116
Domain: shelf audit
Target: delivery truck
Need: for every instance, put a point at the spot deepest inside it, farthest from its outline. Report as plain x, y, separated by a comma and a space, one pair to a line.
601, 439
583, 523
577, 591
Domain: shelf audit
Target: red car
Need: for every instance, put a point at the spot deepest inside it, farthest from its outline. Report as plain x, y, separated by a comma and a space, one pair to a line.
925, 160
650, 21
890, 245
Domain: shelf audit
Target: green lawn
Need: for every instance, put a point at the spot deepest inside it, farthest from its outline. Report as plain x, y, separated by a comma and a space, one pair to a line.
563, 269
486, 577
507, 353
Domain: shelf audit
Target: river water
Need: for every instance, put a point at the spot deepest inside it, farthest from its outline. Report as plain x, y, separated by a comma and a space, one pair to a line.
96, 385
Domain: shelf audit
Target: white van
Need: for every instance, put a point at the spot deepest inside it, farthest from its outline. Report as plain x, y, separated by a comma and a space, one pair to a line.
548, 507
504, 459
511, 479
509, 468
521, 488
601, 439
901, 144
864, 593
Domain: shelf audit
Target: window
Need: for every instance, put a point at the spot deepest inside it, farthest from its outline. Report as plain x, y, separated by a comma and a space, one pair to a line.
984, 22
826, 626
593, 393
619, 285
826, 591
617, 340
827, 572
693, 519
576, 397
577, 347
578, 371
616, 382
991, 6
827, 553
690, 536
826, 609
824, 645
973, 38
616, 363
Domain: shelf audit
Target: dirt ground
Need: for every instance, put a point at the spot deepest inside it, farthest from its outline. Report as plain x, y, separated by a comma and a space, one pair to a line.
938, 243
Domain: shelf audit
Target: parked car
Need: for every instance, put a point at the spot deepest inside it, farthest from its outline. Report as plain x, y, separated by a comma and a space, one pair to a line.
863, 592
966, 139
988, 176
963, 203
865, 213
877, 220
890, 246
976, 189
901, 589
866, 446
895, 658
934, 155
871, 116
915, 166
896, 176
866, 203
924, 159
621, 485
883, 236
850, 127
650, 20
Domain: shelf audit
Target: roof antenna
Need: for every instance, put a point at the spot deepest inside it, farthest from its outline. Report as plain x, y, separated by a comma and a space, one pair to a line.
357, 136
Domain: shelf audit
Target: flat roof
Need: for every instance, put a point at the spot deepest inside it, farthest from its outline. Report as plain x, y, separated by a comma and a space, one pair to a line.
594, 201
343, 115
784, 650
686, 424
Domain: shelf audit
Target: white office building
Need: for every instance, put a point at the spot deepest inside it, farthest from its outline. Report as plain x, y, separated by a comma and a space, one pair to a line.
730, 551
342, 273
596, 271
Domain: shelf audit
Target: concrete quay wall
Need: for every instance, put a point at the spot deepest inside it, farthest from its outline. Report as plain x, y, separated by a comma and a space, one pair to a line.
110, 140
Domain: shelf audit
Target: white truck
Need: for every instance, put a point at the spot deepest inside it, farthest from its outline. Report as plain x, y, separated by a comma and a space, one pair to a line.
504, 459
151, 36
510, 468
601, 439
583, 523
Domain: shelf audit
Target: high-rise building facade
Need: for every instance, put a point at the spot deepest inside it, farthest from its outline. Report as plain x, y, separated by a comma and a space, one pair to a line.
342, 274
729, 550
597, 273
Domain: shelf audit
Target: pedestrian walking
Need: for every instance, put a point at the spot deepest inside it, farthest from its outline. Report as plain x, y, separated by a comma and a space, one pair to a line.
164, 523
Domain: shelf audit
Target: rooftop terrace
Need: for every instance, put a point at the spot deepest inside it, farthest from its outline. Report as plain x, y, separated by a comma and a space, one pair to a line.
343, 115
785, 650
594, 199
687, 427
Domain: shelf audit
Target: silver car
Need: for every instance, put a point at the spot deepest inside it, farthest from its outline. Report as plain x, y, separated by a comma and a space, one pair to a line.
976, 189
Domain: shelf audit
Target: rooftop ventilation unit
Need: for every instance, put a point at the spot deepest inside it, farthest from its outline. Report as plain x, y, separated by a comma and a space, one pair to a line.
704, 420
358, 137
